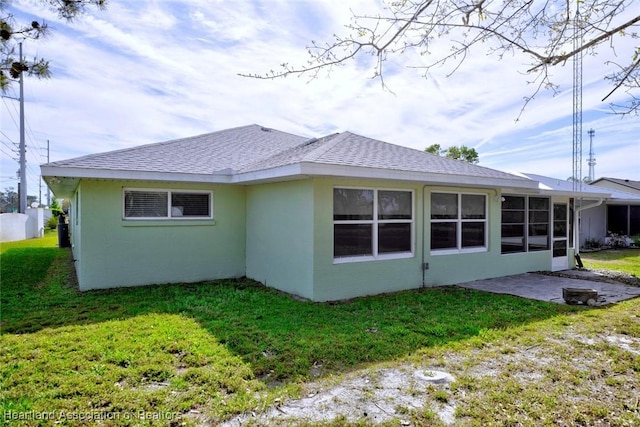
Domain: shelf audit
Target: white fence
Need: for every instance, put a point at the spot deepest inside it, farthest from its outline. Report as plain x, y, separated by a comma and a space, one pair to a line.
15, 226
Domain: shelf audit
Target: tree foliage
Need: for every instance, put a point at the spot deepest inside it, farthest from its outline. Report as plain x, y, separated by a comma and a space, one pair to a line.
543, 30
13, 32
457, 153
9, 200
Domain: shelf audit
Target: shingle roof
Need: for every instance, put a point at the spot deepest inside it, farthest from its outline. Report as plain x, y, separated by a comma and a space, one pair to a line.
203, 154
254, 148
349, 149
633, 185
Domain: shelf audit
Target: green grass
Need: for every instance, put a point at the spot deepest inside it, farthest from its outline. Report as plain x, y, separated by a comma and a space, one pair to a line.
624, 260
218, 348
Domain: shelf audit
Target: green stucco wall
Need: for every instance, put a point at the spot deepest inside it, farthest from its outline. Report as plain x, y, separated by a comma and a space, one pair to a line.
346, 280
280, 236
116, 252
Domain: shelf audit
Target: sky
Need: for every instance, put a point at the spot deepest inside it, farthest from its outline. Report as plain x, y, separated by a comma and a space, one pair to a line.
148, 71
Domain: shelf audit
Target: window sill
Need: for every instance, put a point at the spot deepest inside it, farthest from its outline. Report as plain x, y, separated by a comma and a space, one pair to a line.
169, 222
369, 258
457, 251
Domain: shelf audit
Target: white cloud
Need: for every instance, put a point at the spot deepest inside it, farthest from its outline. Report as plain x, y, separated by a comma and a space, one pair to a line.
148, 71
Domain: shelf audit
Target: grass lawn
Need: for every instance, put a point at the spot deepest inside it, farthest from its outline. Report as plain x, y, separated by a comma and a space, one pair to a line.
204, 352
625, 260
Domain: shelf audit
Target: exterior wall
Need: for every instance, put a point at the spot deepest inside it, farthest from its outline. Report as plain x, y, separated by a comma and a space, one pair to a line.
115, 252
593, 224
279, 236
334, 281
351, 279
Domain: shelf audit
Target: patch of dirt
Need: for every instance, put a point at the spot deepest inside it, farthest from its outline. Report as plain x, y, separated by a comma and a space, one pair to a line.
390, 394
372, 396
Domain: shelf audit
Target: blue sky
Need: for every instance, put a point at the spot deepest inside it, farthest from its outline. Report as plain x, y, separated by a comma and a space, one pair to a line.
149, 71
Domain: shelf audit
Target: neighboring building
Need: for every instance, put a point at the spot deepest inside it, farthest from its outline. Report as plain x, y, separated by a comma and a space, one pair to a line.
323, 218
621, 215
625, 185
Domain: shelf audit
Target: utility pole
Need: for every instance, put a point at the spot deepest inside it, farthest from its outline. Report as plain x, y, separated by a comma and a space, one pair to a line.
592, 160
23, 149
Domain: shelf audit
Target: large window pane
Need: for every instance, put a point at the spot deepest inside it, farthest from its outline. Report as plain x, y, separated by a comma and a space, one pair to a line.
513, 202
352, 204
513, 217
444, 206
512, 238
145, 204
190, 204
617, 219
538, 216
634, 220
539, 203
352, 239
472, 234
473, 206
394, 205
443, 235
394, 238
538, 237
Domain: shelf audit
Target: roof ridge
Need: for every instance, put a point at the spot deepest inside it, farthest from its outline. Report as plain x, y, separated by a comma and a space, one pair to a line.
329, 141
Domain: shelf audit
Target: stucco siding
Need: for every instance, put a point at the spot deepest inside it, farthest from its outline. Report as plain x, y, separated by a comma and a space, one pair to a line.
280, 236
117, 252
334, 280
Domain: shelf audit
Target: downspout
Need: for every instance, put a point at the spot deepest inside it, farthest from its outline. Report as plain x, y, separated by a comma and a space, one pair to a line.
576, 229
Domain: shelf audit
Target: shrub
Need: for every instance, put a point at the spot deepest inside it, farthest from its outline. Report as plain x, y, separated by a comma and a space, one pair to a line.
592, 243
617, 241
52, 222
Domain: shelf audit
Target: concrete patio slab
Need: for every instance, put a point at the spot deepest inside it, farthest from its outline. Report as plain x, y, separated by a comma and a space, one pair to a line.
549, 288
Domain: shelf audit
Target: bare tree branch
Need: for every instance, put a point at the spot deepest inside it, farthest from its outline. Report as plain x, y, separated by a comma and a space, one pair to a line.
542, 30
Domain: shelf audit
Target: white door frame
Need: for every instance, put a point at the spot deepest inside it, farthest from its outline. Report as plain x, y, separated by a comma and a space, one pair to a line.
560, 262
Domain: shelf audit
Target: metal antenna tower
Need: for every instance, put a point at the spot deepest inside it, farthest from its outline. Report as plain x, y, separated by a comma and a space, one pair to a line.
577, 102
592, 160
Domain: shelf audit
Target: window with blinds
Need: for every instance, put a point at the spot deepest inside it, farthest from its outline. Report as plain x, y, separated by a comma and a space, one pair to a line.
167, 204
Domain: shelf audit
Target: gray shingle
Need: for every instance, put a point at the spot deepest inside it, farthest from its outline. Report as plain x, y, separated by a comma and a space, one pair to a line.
349, 149
203, 154
254, 148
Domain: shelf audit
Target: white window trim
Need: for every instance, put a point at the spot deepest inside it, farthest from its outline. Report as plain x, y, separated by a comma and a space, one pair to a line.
375, 221
169, 217
459, 221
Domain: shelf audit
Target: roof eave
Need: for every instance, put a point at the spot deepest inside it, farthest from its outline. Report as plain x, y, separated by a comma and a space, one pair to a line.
319, 169
71, 172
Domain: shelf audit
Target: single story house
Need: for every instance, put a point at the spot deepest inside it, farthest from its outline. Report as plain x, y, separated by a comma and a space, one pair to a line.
324, 218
